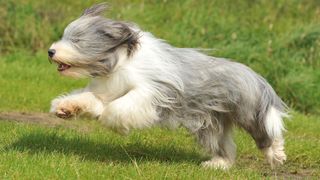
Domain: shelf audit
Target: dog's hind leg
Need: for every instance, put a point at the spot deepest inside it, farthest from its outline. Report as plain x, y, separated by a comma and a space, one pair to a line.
272, 147
274, 126
268, 136
275, 154
220, 144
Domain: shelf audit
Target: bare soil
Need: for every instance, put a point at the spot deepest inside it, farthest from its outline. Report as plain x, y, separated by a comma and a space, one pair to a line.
32, 117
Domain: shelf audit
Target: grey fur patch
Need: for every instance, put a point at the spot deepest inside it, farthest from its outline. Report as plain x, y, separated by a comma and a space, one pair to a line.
215, 94
97, 38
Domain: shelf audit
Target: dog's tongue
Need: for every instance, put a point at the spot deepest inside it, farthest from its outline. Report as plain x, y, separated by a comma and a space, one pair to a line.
62, 67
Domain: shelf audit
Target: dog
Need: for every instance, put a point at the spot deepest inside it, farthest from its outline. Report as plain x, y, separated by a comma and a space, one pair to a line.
138, 81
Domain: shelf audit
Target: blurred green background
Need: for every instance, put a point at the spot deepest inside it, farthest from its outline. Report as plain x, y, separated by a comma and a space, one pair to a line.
279, 39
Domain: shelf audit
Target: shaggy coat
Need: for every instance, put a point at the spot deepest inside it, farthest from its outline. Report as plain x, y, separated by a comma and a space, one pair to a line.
138, 81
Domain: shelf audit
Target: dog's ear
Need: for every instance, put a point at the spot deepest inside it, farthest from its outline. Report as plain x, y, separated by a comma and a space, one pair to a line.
95, 10
129, 38
122, 35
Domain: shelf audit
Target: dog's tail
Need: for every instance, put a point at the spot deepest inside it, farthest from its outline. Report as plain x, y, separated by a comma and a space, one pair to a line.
274, 122
272, 110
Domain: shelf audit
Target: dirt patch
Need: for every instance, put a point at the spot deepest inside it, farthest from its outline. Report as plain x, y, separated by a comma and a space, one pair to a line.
287, 171
293, 174
46, 119
34, 117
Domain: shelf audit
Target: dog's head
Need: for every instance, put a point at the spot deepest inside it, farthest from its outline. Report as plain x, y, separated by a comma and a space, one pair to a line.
91, 44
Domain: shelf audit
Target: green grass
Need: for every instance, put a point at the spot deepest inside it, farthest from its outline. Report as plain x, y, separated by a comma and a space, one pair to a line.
85, 150
278, 39
29, 82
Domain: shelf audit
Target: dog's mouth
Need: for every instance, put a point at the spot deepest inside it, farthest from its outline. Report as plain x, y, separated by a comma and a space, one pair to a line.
63, 66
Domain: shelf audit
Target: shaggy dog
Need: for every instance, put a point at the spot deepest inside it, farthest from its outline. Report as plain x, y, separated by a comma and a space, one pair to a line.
138, 81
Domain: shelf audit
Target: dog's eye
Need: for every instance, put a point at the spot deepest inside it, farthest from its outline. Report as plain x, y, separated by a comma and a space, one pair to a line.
104, 33
75, 40
108, 35
102, 60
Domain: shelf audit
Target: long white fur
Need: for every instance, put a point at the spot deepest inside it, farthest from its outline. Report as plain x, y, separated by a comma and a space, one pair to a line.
127, 94
273, 123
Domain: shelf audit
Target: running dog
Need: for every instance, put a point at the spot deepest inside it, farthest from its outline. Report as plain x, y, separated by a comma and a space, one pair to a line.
138, 81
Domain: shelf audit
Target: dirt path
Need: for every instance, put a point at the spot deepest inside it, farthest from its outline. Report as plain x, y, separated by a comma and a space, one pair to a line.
32, 117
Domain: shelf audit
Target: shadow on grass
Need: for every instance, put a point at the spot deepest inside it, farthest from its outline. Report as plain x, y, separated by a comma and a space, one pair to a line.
103, 152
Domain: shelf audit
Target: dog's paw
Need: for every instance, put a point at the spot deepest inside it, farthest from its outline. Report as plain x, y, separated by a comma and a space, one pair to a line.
67, 109
217, 163
275, 154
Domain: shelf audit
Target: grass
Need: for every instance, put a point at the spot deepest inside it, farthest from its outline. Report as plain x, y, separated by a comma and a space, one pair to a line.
30, 82
82, 149
279, 39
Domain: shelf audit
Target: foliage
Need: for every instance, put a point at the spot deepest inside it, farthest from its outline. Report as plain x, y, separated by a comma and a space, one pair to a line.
279, 39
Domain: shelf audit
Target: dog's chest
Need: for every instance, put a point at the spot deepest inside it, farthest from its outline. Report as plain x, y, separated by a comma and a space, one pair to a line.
108, 88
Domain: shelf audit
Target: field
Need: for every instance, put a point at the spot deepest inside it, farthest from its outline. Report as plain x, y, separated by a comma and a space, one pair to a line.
279, 39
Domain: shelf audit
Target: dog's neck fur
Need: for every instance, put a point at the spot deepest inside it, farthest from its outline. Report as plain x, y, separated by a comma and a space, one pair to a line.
125, 76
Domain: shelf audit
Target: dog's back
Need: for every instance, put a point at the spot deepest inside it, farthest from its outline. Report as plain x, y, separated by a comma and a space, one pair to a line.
218, 93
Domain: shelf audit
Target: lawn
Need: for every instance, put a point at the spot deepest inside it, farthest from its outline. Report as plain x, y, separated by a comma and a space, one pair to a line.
83, 149
279, 39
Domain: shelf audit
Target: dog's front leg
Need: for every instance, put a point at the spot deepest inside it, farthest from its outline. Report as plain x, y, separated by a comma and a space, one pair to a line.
76, 104
133, 110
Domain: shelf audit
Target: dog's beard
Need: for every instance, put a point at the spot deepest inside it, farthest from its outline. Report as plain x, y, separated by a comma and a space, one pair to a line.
69, 61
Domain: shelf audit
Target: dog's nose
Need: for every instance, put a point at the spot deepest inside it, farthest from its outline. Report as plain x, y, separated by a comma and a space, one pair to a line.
51, 52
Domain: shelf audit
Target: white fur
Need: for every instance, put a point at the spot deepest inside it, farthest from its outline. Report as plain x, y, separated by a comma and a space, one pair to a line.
127, 95
86, 102
133, 110
66, 53
275, 154
218, 163
273, 123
